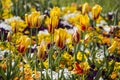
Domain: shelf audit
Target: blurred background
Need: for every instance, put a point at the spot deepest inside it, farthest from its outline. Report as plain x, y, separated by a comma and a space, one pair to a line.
20, 7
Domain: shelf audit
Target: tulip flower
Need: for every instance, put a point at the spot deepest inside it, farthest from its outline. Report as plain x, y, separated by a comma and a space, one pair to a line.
52, 21
96, 11
84, 22
77, 69
41, 51
81, 68
55, 12
33, 20
61, 38
85, 8
112, 47
76, 37
52, 24
24, 43
9, 36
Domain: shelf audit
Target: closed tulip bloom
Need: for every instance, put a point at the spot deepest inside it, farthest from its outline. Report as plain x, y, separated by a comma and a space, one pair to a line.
33, 20
24, 43
76, 37
96, 11
112, 47
61, 38
85, 8
55, 12
52, 24
9, 36
41, 51
53, 20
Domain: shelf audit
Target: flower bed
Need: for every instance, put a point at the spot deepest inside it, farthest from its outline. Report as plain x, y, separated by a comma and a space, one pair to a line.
76, 42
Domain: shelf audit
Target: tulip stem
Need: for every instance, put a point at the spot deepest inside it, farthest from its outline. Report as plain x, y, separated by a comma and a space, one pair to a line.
36, 45
83, 78
76, 51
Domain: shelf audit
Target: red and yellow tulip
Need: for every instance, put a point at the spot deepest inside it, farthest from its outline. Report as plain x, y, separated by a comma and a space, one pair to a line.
24, 43
60, 37
33, 20
96, 11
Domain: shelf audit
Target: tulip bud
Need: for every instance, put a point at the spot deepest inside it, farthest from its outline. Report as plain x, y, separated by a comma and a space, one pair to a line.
9, 36
76, 37
41, 51
52, 24
85, 8
96, 11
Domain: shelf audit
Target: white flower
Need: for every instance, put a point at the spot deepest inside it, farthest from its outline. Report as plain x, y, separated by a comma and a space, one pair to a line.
5, 26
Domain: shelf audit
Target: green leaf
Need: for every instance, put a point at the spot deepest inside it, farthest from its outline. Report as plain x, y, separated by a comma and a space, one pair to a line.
99, 73
2, 73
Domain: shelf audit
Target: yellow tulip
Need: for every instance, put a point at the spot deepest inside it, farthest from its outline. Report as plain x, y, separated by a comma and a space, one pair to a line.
33, 20
24, 43
52, 21
55, 12
85, 8
84, 22
96, 11
112, 47
52, 24
61, 37
17, 25
41, 51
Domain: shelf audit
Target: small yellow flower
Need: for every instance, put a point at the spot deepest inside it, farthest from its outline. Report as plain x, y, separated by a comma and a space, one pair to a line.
112, 47
80, 56
113, 75
45, 63
96, 11
67, 56
6, 4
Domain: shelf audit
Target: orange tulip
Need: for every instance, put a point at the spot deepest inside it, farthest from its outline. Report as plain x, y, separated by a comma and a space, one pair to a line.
77, 69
